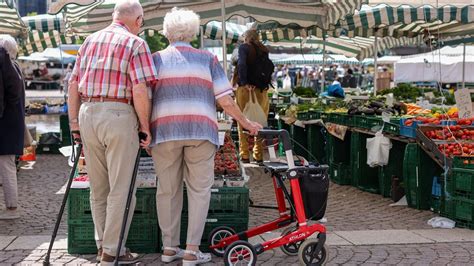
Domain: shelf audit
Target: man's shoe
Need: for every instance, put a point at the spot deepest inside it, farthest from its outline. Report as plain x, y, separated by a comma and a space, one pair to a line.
178, 254
128, 258
199, 258
99, 254
9, 214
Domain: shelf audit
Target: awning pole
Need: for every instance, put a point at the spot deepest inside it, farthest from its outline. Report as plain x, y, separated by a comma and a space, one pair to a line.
464, 66
376, 50
201, 32
324, 63
224, 35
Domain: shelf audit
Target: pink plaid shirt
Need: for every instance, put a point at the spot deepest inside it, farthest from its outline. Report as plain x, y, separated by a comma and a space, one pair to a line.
111, 61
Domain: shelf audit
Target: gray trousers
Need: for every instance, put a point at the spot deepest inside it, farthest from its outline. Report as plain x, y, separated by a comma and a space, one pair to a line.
8, 179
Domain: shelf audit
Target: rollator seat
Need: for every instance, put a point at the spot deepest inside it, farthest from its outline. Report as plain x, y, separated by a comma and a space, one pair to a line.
276, 166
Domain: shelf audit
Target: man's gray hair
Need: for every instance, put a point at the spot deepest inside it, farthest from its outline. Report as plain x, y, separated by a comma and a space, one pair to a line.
127, 8
8, 43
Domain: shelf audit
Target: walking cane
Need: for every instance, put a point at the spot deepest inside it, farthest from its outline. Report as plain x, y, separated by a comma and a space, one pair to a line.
66, 194
141, 136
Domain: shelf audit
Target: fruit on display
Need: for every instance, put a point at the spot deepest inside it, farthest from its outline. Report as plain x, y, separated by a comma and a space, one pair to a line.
451, 133
225, 160
457, 149
436, 120
375, 107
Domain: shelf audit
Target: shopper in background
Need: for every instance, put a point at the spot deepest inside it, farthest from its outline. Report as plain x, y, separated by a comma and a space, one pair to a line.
247, 82
110, 78
185, 133
12, 123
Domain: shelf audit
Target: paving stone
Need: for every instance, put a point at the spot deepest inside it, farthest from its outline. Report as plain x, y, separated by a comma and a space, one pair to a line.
37, 242
379, 237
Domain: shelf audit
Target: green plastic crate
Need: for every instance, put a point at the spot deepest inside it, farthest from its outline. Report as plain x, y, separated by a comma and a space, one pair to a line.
418, 172
299, 140
460, 210
363, 176
361, 121
340, 173
143, 236
226, 203
460, 183
238, 224
79, 204
463, 162
393, 127
338, 151
48, 149
393, 168
317, 143
374, 123
303, 116
64, 130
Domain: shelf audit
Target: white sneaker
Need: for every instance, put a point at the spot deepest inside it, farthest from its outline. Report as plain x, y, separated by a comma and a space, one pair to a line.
178, 254
9, 214
200, 258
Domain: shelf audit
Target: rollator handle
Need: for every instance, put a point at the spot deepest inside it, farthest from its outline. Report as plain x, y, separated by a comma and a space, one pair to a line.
282, 134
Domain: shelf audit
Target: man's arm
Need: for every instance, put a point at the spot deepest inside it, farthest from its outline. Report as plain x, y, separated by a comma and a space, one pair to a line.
231, 108
74, 103
142, 104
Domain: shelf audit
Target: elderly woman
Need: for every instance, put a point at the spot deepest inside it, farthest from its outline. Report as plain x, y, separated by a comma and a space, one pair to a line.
184, 129
12, 123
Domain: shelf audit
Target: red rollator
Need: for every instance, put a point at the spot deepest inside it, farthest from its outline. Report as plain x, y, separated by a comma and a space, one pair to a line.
307, 200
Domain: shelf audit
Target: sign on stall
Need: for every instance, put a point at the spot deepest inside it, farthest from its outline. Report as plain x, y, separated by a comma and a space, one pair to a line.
464, 103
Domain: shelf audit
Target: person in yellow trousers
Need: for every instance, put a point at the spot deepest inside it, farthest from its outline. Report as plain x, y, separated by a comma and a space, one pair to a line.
252, 64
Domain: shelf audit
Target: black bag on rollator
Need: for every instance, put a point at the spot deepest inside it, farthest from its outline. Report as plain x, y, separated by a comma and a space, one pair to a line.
314, 186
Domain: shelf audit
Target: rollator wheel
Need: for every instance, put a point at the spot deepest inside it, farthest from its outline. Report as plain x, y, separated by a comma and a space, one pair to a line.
290, 249
309, 255
240, 253
216, 235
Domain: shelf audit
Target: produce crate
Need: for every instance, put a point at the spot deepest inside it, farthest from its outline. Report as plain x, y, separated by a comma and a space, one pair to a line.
143, 236
393, 127
374, 123
338, 151
364, 176
303, 116
238, 224
317, 143
360, 121
337, 118
418, 172
64, 130
226, 203
463, 162
460, 183
314, 115
460, 210
393, 168
299, 139
408, 131
340, 173
430, 145
79, 204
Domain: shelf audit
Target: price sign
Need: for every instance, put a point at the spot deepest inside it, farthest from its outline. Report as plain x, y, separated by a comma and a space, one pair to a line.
464, 103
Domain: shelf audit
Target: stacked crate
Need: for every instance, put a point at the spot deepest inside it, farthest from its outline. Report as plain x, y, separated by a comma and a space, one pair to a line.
364, 176
229, 206
393, 168
458, 201
143, 236
339, 159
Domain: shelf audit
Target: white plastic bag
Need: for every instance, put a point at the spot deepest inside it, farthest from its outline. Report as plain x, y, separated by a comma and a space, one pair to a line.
441, 222
254, 112
378, 149
286, 84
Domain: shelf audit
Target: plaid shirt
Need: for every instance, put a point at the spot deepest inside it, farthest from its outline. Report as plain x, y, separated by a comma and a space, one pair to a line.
111, 61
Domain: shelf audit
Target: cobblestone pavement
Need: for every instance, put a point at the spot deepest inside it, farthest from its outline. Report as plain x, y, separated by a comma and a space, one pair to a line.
348, 209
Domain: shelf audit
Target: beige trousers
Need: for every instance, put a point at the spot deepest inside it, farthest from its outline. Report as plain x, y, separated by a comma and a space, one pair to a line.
109, 132
8, 180
193, 162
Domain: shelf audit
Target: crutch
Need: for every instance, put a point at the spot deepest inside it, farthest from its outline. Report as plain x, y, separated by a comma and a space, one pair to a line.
76, 155
141, 136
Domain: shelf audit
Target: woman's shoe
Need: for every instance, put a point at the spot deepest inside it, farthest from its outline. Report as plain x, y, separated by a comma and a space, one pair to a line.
9, 214
200, 258
178, 254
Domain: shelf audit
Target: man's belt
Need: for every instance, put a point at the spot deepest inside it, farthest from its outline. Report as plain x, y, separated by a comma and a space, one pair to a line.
105, 99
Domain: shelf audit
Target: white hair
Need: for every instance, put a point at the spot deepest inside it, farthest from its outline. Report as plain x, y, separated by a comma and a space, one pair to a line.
8, 43
127, 8
181, 25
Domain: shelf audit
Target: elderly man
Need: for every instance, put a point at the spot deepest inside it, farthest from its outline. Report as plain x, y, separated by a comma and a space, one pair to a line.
12, 123
110, 79
185, 136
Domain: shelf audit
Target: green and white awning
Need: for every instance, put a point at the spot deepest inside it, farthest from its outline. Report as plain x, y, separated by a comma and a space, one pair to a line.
10, 20
213, 30
45, 23
89, 16
38, 41
316, 59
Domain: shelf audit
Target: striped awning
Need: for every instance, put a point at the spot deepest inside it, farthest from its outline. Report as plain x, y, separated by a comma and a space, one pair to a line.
316, 59
10, 20
38, 41
45, 23
213, 30
90, 16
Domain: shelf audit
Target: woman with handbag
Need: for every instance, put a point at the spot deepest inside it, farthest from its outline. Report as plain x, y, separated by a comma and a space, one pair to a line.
12, 123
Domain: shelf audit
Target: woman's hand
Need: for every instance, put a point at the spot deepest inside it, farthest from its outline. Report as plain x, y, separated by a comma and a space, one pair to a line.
252, 127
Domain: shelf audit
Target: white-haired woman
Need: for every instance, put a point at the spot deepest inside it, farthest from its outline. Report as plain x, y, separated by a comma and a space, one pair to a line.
12, 123
184, 129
